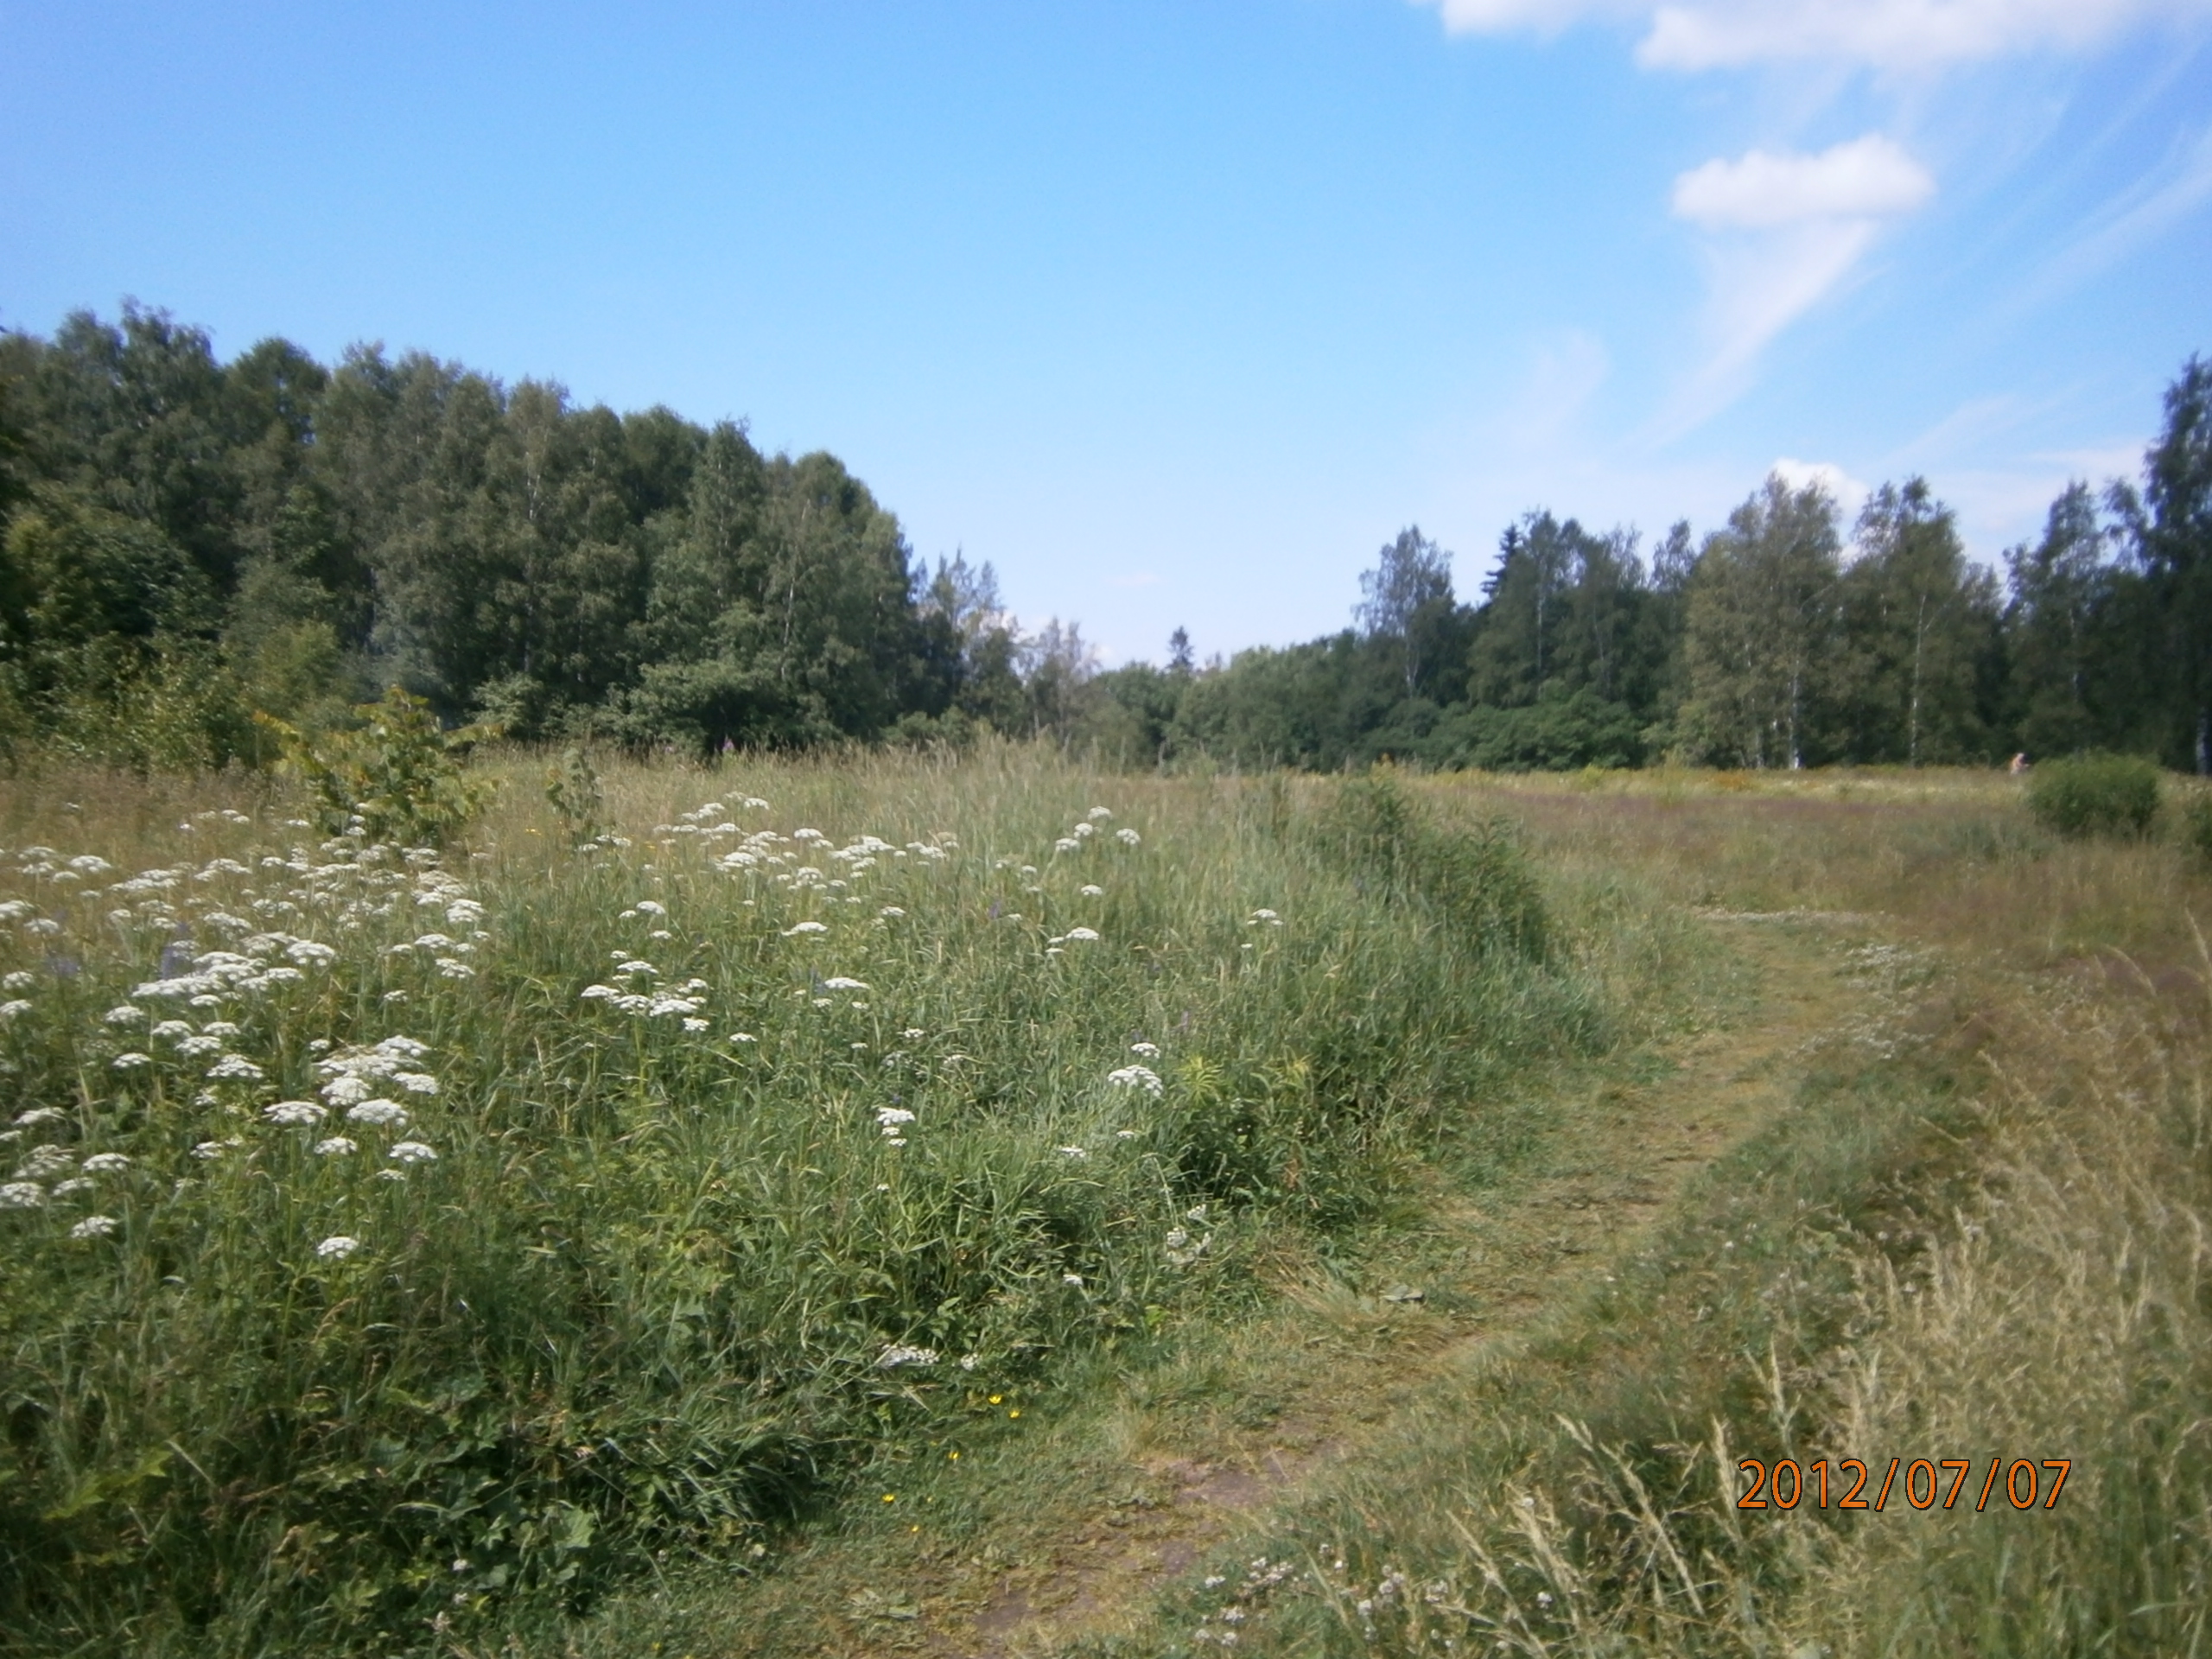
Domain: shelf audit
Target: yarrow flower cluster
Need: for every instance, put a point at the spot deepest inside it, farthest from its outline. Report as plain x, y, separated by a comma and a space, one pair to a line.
1136, 1077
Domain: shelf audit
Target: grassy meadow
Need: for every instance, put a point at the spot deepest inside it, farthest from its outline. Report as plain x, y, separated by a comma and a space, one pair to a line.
399, 1237
597, 1235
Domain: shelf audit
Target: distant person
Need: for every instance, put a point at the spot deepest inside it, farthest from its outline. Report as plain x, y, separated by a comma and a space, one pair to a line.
2020, 765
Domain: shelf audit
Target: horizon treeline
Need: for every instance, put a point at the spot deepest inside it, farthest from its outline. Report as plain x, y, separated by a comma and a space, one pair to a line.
184, 541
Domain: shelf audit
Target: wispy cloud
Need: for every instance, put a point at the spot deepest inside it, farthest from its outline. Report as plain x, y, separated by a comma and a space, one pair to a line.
1786, 230
2179, 186
1896, 35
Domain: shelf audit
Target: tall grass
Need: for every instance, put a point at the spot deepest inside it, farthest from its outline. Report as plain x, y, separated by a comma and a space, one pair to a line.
1983, 1231
391, 1237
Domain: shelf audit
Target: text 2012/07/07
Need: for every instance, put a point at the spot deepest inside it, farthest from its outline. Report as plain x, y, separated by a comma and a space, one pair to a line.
2019, 1485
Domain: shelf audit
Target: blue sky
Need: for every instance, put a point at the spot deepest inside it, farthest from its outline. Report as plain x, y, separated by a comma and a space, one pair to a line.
1177, 312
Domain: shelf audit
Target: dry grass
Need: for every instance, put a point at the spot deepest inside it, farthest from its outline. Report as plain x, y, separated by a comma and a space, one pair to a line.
1981, 1231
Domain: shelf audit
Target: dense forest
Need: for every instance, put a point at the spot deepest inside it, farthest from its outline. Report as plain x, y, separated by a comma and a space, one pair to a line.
188, 541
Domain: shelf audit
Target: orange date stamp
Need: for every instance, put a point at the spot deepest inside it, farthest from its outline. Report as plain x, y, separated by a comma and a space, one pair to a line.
2020, 1486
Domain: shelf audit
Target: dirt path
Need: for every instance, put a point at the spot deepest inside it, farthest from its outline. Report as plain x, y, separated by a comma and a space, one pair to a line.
1119, 1507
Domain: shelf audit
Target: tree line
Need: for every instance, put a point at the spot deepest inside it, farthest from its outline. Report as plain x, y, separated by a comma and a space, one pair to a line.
1784, 638
188, 541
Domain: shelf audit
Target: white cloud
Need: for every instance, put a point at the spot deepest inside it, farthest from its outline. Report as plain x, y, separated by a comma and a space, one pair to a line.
1867, 178
1540, 16
1847, 492
1893, 35
1889, 34
1792, 226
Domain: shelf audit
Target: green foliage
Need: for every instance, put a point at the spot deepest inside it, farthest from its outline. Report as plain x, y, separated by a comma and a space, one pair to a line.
1476, 880
2196, 824
572, 788
1561, 732
2096, 794
397, 777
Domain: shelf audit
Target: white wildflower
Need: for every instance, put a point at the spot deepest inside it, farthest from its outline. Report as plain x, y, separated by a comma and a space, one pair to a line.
211, 1149
382, 1114
170, 1030
891, 910
891, 1119
1073, 1280
415, 1083
412, 1152
75, 1184
234, 1068
337, 1248
898, 1354
593, 993
45, 1163
42, 1115
1066, 844
335, 1146
1082, 935
95, 1227
1099, 814
22, 1195
841, 983
296, 1114
1128, 837
1074, 1152
799, 929
131, 1061
1136, 1077
695, 1025
347, 1089
1145, 1051
128, 1014
106, 1163
199, 1047
453, 968
10, 1010
743, 1037
1091, 890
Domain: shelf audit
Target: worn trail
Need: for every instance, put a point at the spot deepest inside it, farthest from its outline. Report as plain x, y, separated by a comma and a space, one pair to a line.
1110, 1509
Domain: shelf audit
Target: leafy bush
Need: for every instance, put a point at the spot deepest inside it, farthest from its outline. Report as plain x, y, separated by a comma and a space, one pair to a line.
2096, 794
397, 778
2196, 824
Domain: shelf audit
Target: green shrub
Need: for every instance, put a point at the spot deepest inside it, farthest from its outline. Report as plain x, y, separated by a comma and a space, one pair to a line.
2096, 794
397, 778
2196, 824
